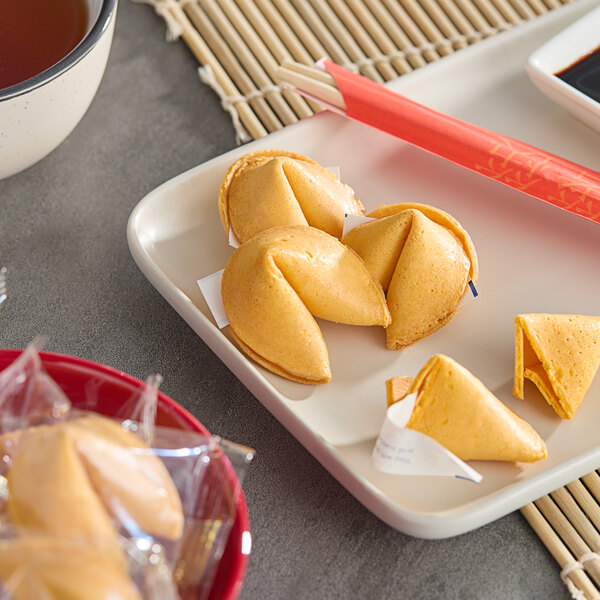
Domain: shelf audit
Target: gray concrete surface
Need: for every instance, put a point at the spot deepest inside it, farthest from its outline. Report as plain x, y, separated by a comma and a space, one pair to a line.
72, 278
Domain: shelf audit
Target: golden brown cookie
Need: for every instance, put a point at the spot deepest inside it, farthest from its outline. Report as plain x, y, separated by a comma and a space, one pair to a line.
454, 408
423, 259
81, 476
560, 354
269, 188
277, 282
57, 568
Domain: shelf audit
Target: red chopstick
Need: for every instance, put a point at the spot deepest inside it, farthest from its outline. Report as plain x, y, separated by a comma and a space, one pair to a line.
545, 176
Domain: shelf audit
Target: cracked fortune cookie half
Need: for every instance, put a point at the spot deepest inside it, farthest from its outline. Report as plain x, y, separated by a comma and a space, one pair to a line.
270, 188
454, 408
273, 286
423, 259
560, 354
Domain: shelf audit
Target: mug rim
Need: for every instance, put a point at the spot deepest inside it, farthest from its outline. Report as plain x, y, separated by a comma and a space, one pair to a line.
72, 58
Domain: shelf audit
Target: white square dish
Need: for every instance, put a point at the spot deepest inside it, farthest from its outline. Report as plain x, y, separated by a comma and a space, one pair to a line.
561, 52
533, 258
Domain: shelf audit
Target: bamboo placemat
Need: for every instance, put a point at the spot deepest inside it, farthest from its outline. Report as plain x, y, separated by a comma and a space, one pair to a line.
239, 45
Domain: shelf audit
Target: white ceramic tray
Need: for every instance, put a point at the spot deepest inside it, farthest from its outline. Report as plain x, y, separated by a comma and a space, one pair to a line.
533, 258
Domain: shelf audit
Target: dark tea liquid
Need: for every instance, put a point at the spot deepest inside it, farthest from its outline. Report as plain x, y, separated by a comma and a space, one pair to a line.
36, 34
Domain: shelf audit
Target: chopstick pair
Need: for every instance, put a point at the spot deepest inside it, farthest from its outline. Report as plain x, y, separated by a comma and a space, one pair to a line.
518, 165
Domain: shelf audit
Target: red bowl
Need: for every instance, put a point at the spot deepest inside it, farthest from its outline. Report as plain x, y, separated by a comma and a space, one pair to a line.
112, 388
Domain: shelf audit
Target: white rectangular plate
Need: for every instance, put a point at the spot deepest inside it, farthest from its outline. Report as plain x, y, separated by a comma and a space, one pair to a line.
533, 258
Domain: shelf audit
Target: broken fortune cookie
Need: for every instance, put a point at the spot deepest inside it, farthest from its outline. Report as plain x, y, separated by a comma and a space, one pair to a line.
560, 354
454, 408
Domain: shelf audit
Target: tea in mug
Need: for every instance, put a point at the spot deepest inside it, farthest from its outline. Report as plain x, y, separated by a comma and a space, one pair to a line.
36, 34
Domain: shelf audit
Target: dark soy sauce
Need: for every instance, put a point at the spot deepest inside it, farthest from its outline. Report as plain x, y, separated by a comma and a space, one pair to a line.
584, 74
36, 34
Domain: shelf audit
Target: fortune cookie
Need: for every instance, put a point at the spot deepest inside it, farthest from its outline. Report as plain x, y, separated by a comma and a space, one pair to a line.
454, 408
560, 354
81, 476
276, 282
58, 568
423, 259
270, 188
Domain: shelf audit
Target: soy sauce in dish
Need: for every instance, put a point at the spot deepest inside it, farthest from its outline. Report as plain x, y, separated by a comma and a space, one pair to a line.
36, 34
584, 74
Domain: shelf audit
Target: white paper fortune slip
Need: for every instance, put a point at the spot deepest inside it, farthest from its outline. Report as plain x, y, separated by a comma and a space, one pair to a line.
401, 451
233, 241
210, 286
352, 221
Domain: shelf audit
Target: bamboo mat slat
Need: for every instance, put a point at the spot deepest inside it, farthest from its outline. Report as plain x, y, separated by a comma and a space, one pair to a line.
239, 44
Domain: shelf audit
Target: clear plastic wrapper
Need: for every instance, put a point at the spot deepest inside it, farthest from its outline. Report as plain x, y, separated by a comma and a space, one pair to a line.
28, 396
157, 503
3, 294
